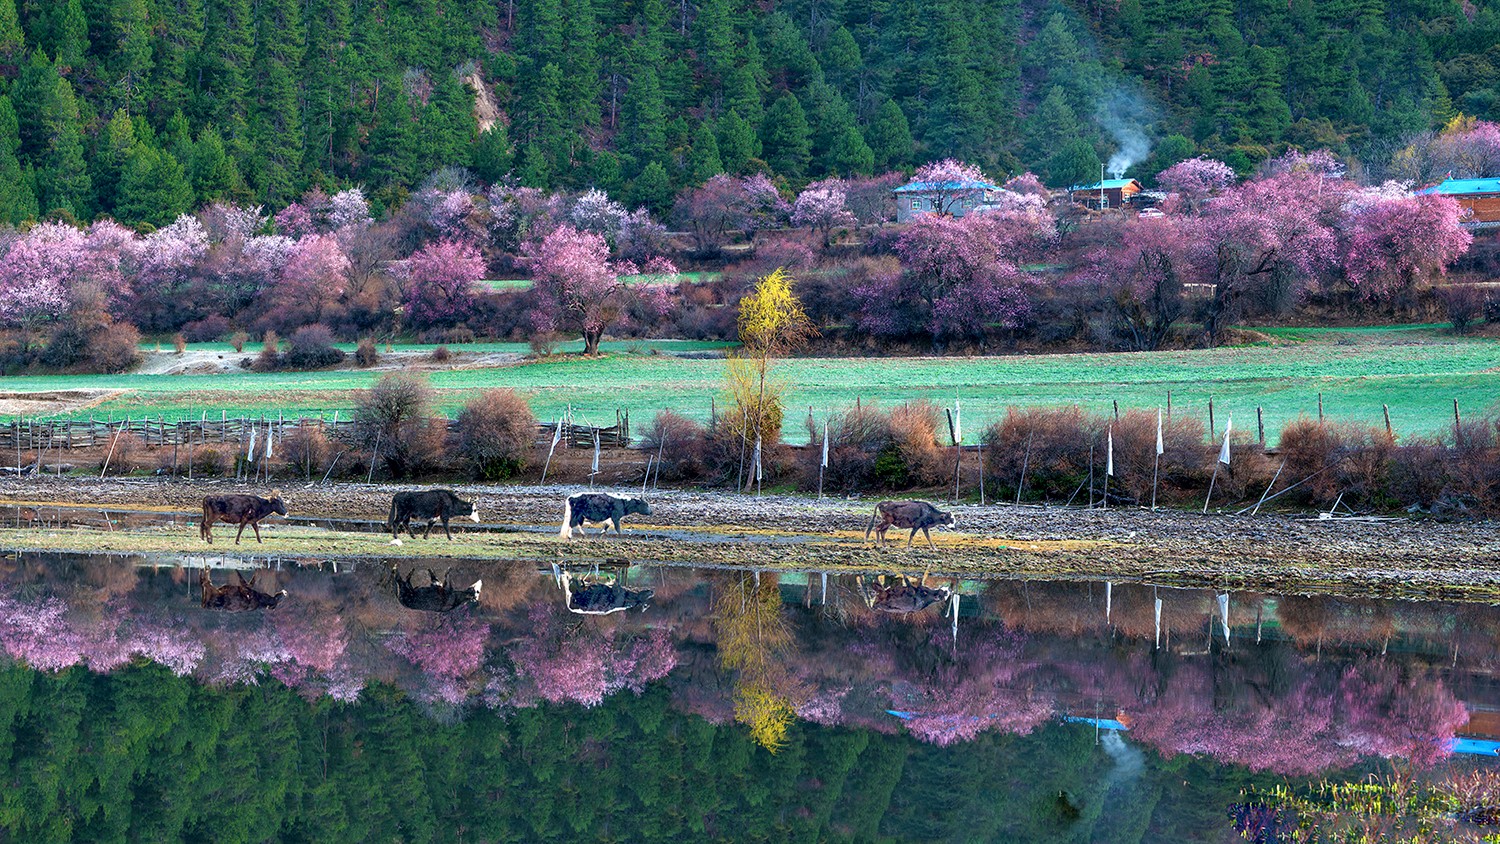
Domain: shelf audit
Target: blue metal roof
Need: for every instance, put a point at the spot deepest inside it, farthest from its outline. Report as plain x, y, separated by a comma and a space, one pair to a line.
922, 187
1458, 187
1107, 184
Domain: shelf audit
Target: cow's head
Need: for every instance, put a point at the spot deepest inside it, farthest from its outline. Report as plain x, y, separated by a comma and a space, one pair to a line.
275, 600
637, 505
275, 501
947, 519
474, 513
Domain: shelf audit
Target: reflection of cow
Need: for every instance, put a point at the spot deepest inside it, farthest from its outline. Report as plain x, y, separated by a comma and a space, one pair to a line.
437, 596
603, 595
599, 508
428, 506
903, 597
238, 510
917, 515
236, 597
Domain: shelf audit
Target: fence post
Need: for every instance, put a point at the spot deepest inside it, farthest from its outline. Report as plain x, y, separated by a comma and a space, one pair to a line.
1320, 408
1211, 427
1260, 426
1387, 410
1456, 422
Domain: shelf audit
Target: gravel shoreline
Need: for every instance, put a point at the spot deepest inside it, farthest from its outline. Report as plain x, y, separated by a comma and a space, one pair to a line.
1415, 558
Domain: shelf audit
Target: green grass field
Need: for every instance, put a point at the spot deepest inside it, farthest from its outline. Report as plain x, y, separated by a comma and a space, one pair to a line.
1417, 371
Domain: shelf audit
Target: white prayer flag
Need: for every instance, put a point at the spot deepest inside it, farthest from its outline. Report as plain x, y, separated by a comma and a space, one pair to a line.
958, 422
1109, 459
269, 437
825, 444
250, 452
1158, 622
595, 469
557, 432
1160, 449
1224, 449
1109, 589
756, 459
1224, 614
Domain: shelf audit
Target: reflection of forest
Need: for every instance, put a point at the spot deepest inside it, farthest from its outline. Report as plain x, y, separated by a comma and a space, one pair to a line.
1303, 684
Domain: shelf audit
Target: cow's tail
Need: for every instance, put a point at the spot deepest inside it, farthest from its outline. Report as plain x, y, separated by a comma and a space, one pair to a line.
871, 526
566, 531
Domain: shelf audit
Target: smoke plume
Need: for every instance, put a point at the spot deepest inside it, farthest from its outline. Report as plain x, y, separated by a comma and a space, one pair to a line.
1125, 114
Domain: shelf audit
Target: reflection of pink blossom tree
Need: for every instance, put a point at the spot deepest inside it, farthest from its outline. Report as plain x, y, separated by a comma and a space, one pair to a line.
448, 653
575, 662
983, 688
1387, 714
38, 633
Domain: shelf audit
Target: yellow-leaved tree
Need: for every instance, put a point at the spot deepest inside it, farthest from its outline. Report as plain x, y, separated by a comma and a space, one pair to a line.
756, 643
772, 324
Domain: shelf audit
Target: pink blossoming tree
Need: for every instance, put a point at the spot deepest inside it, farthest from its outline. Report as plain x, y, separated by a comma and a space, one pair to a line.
437, 283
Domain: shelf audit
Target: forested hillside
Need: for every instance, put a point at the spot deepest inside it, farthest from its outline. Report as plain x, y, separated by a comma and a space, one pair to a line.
143, 109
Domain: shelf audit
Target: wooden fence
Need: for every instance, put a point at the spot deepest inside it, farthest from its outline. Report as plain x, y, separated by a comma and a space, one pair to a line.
33, 436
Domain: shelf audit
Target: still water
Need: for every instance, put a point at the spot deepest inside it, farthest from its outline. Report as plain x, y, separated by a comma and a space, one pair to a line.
653, 703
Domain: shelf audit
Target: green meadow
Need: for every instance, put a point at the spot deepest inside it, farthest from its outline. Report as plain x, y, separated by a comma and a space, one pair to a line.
1417, 371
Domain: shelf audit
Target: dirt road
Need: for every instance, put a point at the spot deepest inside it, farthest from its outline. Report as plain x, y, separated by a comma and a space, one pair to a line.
1410, 558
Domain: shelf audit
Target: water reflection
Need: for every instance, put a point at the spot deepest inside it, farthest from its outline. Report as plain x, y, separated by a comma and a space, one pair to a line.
1289, 684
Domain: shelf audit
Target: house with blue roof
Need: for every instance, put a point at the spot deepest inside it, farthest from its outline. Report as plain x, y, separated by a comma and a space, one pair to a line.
1479, 199
1109, 193
956, 198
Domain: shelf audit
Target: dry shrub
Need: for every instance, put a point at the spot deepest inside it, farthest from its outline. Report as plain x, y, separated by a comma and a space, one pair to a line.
856, 439
129, 454
269, 359
914, 459
729, 445
1473, 471
238, 339
1343, 460
306, 448
679, 441
495, 434
543, 343
1419, 473
114, 350
179, 343
1181, 463
1464, 304
208, 462
1247, 476
1058, 440
441, 354
365, 354
311, 347
392, 423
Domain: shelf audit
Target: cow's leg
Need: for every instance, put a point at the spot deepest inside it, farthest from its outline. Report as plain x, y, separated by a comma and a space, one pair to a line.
445, 528
255, 523
206, 530
911, 537
929, 539
239, 532
617, 525
432, 576
446, 572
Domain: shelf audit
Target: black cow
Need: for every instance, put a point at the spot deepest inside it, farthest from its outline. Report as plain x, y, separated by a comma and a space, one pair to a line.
904, 597
599, 508
429, 506
436, 596
917, 515
236, 597
238, 510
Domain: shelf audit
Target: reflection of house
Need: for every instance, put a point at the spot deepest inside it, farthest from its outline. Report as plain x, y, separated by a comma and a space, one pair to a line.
1478, 198
1110, 193
956, 198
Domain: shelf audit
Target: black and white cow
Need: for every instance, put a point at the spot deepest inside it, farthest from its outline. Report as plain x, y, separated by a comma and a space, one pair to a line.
917, 515
427, 506
599, 508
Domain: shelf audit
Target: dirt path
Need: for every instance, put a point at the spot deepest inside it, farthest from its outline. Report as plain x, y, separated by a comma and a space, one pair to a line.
1399, 558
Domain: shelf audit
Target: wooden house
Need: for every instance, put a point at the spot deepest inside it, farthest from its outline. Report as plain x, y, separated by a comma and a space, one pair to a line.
1110, 193
1479, 199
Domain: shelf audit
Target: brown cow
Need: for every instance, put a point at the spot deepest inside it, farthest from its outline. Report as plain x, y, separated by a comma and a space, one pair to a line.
917, 515
236, 597
238, 510
904, 597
